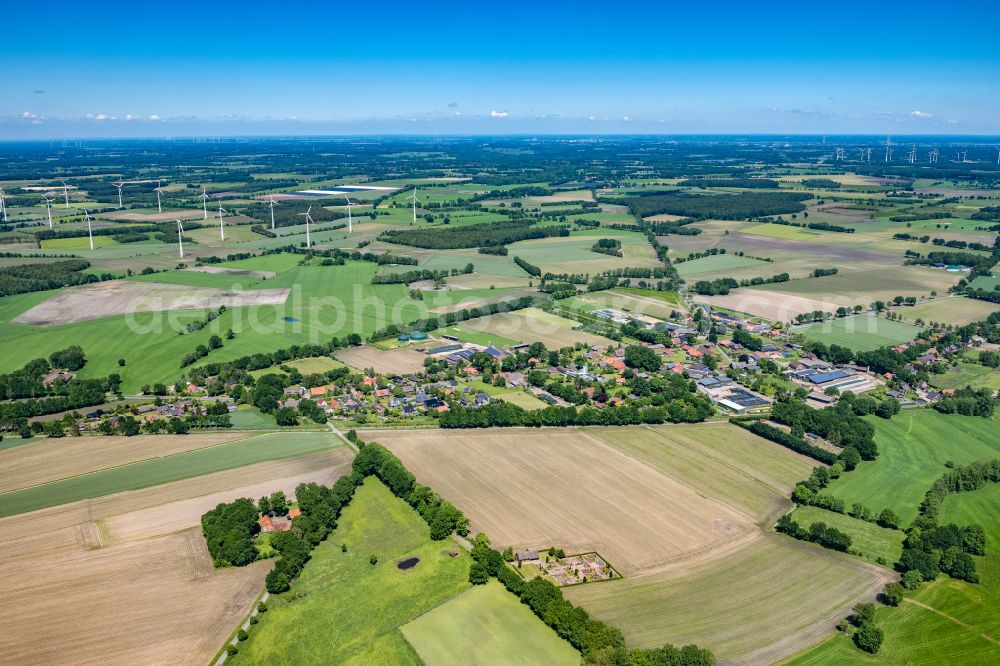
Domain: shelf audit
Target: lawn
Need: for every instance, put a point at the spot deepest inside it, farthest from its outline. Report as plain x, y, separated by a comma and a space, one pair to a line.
345, 610
913, 449
860, 332
156, 471
521, 399
486, 625
870, 540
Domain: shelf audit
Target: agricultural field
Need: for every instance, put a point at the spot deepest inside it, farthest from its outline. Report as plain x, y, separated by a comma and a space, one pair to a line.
944, 621
401, 360
682, 512
875, 544
132, 570
715, 263
859, 332
913, 449
968, 374
956, 310
344, 609
484, 625
142, 473
534, 325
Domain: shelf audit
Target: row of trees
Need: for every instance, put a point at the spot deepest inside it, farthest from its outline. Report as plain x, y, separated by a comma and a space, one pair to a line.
788, 440
472, 235
689, 409
839, 425
24, 278
420, 274
818, 532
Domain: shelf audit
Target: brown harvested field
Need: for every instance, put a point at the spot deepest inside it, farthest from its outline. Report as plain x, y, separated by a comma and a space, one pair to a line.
535, 488
52, 459
126, 578
774, 305
119, 297
956, 310
391, 361
769, 600
534, 325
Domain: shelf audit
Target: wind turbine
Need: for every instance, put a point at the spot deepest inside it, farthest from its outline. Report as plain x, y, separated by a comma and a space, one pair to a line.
350, 226
222, 228
180, 238
65, 191
90, 233
913, 155
204, 202
3, 204
48, 205
271, 204
998, 157
159, 205
414, 197
888, 148
120, 184
308, 220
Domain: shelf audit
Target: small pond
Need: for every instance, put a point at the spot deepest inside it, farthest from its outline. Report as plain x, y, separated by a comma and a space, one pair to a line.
408, 563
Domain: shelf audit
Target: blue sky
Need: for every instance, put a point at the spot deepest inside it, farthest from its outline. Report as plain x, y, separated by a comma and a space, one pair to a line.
177, 69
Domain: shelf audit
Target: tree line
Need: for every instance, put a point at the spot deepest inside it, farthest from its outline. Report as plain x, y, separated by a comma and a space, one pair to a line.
472, 235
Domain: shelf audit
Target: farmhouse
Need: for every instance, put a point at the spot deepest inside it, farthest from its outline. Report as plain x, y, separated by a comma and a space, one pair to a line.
529, 556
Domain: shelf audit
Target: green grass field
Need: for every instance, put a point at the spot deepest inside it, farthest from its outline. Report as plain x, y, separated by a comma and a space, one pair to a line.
968, 374
956, 310
782, 231
860, 332
870, 540
486, 625
913, 448
718, 262
81, 243
960, 615
327, 301
466, 334
156, 471
345, 610
521, 399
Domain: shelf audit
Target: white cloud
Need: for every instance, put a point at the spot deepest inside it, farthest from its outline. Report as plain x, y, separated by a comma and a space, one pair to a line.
921, 114
591, 118
27, 114
99, 116
625, 119
156, 117
458, 113
498, 114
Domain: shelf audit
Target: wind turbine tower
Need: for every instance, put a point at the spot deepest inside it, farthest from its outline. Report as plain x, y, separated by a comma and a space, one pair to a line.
413, 196
222, 228
3, 204
932, 157
120, 184
308, 220
840, 154
65, 191
271, 204
48, 206
159, 204
913, 155
90, 233
180, 238
204, 203
888, 148
350, 226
